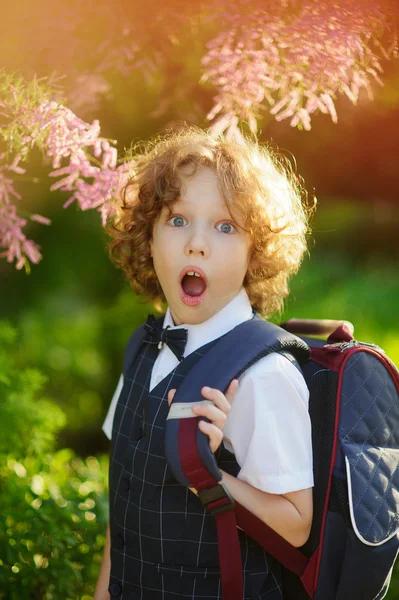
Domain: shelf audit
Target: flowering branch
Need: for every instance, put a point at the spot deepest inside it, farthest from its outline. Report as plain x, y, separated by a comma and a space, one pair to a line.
63, 137
295, 64
19, 248
291, 58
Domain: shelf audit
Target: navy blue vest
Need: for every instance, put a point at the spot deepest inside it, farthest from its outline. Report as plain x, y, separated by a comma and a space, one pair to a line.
163, 542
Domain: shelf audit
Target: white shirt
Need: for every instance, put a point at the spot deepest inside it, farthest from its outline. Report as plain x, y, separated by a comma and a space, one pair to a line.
268, 428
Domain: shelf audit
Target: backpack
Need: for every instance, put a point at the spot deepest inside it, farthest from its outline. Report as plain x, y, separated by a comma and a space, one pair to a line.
354, 409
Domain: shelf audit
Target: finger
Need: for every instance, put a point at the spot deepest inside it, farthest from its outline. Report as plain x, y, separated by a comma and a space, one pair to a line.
171, 395
231, 390
217, 397
211, 412
214, 433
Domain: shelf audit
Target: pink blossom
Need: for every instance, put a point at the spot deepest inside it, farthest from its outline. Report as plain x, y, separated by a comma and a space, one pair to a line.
40, 219
67, 138
294, 64
12, 238
86, 163
88, 91
286, 57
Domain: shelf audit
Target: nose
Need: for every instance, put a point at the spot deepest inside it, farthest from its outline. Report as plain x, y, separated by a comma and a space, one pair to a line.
197, 243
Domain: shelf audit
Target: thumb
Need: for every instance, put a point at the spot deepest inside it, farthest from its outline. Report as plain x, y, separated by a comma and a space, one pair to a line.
171, 395
231, 390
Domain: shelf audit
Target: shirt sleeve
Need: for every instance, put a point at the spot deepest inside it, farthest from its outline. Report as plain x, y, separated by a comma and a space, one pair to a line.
269, 429
109, 419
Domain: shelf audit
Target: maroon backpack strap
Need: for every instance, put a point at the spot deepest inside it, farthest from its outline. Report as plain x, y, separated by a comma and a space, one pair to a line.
219, 503
189, 461
228, 515
290, 557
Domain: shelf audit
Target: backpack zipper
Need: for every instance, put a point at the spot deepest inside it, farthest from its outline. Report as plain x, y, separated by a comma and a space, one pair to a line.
352, 344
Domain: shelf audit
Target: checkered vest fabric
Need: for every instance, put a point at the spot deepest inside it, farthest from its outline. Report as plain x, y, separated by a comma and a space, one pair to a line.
163, 541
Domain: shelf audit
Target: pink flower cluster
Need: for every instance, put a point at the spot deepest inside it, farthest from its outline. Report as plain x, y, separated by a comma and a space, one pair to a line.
294, 62
90, 174
69, 137
289, 57
18, 247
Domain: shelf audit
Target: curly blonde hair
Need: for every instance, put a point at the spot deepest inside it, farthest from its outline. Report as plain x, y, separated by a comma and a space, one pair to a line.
253, 180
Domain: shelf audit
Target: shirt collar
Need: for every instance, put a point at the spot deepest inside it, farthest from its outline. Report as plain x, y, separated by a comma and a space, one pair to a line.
235, 312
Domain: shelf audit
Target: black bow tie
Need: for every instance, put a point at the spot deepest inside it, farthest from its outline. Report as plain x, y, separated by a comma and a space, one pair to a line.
176, 339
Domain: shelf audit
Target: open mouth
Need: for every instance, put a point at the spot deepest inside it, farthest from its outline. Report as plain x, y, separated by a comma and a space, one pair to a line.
192, 286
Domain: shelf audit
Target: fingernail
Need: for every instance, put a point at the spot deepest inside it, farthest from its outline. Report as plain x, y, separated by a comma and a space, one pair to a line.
206, 389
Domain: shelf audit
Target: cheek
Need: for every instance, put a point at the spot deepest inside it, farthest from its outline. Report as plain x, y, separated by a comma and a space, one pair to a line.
244, 254
161, 257
156, 244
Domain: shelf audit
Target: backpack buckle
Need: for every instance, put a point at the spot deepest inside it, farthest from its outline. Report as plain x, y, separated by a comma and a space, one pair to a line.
216, 499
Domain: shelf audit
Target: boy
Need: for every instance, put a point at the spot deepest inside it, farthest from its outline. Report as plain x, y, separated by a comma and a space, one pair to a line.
216, 229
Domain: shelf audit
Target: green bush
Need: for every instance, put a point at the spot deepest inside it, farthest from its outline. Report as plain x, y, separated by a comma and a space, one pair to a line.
54, 504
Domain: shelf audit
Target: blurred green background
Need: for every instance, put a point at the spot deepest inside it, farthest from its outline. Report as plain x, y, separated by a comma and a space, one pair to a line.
63, 328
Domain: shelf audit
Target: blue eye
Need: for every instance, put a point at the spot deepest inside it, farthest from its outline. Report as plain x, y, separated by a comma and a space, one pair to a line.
226, 227
177, 221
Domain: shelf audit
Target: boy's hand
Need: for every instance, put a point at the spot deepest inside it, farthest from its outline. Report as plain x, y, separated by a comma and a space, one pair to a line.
216, 413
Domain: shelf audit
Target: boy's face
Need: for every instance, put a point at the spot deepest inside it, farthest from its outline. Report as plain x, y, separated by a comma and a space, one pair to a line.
199, 235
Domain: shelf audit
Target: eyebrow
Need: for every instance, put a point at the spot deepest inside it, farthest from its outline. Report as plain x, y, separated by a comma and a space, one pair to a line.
184, 203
